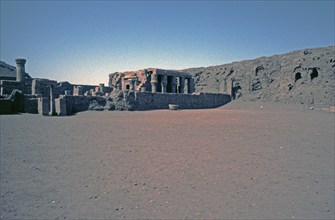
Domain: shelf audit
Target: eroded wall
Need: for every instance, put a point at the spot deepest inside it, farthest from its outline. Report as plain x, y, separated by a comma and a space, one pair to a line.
148, 100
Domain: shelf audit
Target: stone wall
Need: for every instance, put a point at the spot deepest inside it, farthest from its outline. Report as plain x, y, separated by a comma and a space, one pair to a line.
148, 100
41, 87
74, 104
68, 105
7, 86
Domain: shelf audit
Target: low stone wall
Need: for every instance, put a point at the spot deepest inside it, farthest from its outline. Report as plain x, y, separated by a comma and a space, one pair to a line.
68, 105
148, 100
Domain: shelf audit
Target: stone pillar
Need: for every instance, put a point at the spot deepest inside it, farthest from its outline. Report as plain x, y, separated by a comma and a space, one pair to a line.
182, 84
52, 102
132, 84
164, 83
77, 90
190, 84
173, 85
43, 106
102, 87
20, 70
60, 104
154, 82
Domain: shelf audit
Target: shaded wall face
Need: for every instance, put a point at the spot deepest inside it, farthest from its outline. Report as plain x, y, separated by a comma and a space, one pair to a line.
42, 88
148, 101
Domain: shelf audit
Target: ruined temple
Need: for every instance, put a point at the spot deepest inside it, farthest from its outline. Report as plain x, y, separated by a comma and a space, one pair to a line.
146, 89
153, 80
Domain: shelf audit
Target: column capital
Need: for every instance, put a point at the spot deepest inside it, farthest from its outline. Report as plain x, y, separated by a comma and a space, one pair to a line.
20, 61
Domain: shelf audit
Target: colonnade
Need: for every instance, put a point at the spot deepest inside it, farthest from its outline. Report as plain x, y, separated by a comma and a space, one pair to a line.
170, 83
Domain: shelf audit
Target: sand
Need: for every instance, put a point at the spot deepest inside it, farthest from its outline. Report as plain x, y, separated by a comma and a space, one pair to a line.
239, 161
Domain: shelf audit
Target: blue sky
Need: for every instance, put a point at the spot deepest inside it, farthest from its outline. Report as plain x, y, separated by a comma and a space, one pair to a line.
84, 41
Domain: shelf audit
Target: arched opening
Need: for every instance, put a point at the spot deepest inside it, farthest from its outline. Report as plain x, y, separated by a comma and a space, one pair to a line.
128, 87
297, 76
259, 70
314, 73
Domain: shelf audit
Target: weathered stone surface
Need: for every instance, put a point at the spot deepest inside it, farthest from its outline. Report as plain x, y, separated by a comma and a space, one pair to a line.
96, 106
31, 105
121, 101
60, 105
295, 77
17, 98
43, 106
5, 106
148, 100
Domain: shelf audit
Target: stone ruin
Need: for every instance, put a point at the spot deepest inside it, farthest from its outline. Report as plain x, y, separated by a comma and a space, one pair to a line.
22, 93
146, 89
153, 80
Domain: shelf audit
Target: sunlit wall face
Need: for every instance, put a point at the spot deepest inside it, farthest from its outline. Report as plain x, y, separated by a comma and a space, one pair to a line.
83, 43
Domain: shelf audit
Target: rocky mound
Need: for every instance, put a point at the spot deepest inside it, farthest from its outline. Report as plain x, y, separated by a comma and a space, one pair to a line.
303, 76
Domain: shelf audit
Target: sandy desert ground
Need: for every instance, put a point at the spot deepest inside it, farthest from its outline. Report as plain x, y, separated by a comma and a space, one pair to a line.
239, 161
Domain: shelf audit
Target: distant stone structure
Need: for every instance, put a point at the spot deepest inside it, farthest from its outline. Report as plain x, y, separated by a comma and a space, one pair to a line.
135, 90
153, 80
21, 93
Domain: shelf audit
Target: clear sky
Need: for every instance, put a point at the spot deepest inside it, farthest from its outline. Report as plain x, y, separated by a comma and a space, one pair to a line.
84, 41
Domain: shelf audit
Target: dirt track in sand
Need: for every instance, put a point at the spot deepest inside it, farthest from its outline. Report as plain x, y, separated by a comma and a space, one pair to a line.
239, 161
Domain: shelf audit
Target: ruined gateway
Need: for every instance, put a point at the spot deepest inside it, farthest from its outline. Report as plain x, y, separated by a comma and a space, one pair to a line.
136, 90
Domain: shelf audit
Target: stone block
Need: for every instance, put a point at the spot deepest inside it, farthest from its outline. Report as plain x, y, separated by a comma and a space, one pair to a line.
43, 106
60, 104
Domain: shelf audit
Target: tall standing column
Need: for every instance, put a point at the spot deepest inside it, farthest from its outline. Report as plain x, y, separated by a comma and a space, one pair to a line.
164, 83
21, 73
190, 86
181, 84
154, 82
20, 70
173, 84
52, 102
102, 87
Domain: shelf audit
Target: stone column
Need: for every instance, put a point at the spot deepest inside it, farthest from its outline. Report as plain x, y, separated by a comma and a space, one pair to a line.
20, 70
182, 84
154, 82
173, 85
164, 83
52, 102
190, 86
102, 87
132, 84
